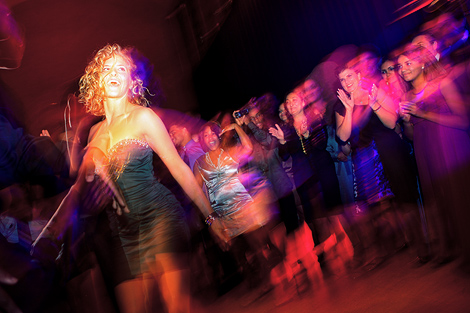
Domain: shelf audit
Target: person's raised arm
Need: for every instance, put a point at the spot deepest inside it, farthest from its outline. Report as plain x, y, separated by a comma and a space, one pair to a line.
344, 123
246, 145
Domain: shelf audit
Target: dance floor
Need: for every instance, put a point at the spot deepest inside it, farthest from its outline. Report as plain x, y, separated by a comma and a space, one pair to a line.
395, 286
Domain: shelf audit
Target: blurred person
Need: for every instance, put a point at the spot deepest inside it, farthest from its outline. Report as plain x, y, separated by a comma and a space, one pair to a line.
383, 172
312, 93
426, 40
241, 199
435, 119
367, 63
282, 112
182, 137
304, 138
390, 82
266, 155
12, 42
151, 228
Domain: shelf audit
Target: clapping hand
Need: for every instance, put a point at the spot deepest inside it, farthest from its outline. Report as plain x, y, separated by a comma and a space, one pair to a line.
373, 95
409, 108
348, 101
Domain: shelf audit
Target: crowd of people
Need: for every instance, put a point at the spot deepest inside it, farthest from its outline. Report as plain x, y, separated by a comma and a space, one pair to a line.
334, 178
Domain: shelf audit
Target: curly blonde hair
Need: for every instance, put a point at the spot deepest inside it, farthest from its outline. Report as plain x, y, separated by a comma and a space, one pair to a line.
91, 88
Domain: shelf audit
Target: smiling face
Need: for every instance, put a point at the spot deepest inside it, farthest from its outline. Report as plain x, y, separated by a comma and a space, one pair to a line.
408, 68
176, 135
116, 77
210, 138
349, 80
294, 104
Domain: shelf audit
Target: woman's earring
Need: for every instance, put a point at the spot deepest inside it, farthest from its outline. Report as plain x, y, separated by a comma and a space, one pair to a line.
422, 67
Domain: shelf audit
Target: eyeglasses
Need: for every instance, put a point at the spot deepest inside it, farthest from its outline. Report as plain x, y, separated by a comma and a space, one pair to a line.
388, 70
257, 116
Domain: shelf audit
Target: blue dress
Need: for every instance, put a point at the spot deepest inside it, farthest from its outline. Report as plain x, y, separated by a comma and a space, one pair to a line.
156, 221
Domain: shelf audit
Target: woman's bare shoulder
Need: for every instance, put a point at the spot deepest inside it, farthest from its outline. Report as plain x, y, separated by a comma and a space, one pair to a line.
94, 130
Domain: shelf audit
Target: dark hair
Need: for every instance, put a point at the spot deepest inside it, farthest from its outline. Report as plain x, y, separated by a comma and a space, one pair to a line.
214, 126
432, 68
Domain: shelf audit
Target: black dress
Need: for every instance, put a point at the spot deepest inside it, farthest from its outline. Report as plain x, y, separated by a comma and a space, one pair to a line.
156, 221
314, 170
370, 134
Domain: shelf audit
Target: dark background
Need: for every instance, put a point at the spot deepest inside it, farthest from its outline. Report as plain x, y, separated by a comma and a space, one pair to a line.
210, 55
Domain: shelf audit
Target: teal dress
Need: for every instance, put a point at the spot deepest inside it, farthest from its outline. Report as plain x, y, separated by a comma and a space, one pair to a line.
156, 221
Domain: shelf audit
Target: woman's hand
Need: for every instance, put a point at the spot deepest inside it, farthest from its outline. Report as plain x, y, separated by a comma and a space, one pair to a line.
102, 189
278, 133
373, 96
348, 101
410, 108
240, 120
228, 128
219, 229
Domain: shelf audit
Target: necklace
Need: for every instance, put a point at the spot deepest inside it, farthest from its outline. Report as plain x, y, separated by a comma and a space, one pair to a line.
300, 132
209, 159
302, 143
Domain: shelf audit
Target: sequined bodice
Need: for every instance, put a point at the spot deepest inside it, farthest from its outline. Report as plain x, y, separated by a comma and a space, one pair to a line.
131, 156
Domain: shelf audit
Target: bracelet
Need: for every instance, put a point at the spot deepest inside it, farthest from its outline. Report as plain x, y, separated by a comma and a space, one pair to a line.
211, 218
376, 110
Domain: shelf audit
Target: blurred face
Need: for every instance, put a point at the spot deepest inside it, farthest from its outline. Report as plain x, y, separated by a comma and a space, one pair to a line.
367, 64
294, 104
311, 91
388, 70
283, 113
349, 80
256, 117
408, 68
424, 41
116, 77
210, 139
176, 135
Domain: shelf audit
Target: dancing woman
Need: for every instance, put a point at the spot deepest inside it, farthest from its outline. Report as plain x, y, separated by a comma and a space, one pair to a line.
150, 221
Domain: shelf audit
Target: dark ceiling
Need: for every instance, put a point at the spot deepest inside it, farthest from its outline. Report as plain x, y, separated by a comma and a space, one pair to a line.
209, 54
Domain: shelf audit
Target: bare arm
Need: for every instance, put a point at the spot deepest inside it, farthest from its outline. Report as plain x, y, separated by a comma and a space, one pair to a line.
344, 123
246, 144
382, 105
156, 135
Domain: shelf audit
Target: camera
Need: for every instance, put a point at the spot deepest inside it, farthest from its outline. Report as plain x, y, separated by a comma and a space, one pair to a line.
241, 113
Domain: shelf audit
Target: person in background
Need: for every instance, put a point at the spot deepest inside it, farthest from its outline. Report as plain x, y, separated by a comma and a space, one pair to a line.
182, 136
435, 119
304, 139
383, 170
